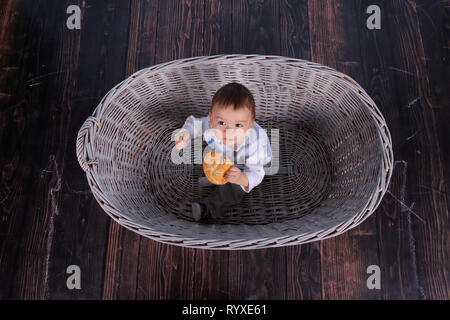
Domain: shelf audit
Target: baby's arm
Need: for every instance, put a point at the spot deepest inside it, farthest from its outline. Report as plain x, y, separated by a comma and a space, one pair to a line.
195, 126
254, 164
192, 128
255, 174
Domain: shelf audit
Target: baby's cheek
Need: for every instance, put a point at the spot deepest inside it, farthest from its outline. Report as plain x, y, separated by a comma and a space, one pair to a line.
218, 133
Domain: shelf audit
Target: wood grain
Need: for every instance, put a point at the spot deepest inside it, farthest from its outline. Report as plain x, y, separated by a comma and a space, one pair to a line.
397, 262
48, 67
14, 28
256, 274
303, 276
426, 167
218, 27
165, 271
294, 29
16, 171
256, 27
81, 234
51, 79
212, 267
344, 258
124, 246
436, 42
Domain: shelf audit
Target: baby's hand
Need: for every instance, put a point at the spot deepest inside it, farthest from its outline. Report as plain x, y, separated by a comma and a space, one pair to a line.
182, 139
235, 175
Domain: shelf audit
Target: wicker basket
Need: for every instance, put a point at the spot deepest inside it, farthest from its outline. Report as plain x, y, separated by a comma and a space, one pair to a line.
334, 159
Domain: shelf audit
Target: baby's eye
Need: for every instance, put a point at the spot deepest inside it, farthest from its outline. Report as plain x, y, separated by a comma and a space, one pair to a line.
238, 125
222, 123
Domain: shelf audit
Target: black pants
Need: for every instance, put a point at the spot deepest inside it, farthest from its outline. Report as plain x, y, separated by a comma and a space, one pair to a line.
222, 197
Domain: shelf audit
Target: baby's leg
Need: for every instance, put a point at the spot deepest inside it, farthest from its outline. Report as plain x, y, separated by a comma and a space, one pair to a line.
222, 197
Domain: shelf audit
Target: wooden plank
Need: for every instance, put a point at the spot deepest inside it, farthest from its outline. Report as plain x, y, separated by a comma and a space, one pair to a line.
50, 219
167, 271
425, 167
85, 224
218, 35
14, 29
16, 171
303, 276
434, 20
294, 29
211, 266
79, 238
121, 267
256, 274
38, 157
344, 258
256, 27
397, 262
179, 30
142, 37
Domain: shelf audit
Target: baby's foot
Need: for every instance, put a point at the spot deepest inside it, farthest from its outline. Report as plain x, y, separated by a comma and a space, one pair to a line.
200, 212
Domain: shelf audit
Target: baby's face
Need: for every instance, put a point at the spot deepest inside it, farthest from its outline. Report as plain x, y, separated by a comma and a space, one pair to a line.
230, 125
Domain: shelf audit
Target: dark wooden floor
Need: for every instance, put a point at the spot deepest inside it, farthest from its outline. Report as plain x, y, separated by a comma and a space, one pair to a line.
52, 78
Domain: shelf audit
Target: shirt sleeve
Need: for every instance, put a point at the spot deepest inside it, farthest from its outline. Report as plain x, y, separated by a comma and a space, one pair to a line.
255, 174
195, 126
254, 166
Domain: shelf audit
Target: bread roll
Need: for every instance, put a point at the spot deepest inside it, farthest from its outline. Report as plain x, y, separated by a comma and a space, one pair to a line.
215, 165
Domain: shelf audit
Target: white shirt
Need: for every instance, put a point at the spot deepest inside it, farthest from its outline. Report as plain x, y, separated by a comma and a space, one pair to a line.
250, 155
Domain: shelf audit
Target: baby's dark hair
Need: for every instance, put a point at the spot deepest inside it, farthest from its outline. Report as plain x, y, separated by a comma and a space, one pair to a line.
234, 94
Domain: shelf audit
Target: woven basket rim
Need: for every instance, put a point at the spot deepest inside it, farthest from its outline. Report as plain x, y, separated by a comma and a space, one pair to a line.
87, 160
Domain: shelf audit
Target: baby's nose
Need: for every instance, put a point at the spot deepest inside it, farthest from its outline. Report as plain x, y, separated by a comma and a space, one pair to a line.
229, 132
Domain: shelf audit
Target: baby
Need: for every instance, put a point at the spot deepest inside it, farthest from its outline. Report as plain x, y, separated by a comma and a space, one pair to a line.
230, 129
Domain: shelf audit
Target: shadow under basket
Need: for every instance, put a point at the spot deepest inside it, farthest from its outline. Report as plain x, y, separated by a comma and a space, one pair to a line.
331, 165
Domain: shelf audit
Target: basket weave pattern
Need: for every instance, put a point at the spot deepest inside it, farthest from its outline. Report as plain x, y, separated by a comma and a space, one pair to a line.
334, 158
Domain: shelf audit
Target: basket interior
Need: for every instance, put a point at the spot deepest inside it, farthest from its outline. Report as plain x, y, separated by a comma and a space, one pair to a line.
329, 150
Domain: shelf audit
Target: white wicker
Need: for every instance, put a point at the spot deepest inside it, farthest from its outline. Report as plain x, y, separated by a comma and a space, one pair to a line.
335, 152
